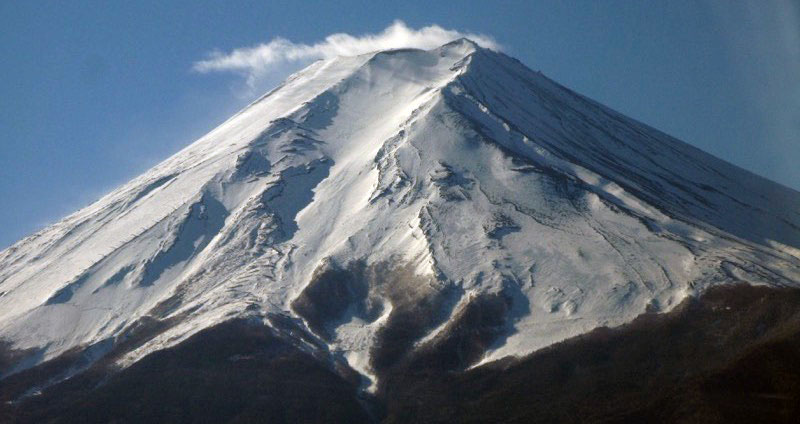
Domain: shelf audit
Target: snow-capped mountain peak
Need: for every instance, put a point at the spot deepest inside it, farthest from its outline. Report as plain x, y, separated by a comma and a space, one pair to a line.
403, 189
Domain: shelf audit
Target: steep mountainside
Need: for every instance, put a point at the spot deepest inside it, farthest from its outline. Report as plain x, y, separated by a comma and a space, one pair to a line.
390, 205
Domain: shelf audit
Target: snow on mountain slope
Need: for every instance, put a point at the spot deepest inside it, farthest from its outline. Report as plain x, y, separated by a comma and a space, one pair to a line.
403, 188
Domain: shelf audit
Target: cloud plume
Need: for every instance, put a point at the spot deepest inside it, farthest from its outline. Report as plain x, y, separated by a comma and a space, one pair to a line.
259, 61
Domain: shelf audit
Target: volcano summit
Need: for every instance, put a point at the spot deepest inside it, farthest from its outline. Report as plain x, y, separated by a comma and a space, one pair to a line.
447, 210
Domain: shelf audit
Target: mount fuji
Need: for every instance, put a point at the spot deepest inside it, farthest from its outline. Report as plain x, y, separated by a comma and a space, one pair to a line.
446, 209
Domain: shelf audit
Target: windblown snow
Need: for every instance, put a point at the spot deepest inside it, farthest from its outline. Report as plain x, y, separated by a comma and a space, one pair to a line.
458, 163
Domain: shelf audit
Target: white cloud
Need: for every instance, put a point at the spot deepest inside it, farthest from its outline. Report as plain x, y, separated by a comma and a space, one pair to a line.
260, 61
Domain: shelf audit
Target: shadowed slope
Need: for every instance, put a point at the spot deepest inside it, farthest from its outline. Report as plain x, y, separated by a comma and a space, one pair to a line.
729, 356
234, 372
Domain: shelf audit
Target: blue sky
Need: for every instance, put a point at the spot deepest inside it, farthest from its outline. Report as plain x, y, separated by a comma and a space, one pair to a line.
94, 93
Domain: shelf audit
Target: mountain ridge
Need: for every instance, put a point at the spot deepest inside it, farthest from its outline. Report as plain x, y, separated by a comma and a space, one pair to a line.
402, 190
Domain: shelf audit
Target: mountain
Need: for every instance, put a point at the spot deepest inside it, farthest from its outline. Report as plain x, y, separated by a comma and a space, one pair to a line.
448, 209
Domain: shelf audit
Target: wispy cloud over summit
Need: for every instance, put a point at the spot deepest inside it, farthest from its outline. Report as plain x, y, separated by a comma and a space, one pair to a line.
258, 61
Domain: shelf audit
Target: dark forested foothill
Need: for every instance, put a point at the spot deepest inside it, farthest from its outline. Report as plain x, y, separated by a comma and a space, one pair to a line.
729, 356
